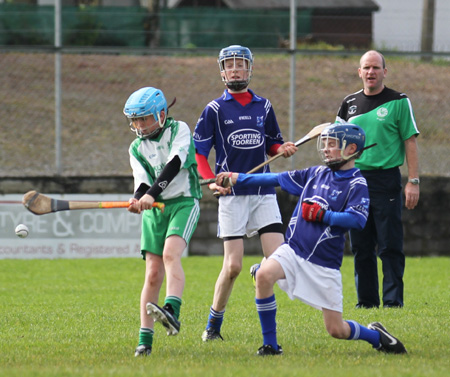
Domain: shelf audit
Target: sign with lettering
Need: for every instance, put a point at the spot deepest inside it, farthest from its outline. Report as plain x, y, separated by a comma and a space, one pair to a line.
90, 233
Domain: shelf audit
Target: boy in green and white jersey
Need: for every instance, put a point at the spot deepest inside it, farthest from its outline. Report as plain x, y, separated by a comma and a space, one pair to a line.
164, 170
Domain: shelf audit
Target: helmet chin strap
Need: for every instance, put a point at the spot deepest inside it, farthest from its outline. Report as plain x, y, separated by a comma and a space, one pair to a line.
154, 134
236, 86
336, 165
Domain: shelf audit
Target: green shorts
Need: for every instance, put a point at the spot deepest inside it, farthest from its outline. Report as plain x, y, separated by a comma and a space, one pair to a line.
180, 218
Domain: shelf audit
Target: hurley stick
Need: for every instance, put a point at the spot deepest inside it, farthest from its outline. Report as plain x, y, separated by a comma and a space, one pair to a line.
40, 204
315, 132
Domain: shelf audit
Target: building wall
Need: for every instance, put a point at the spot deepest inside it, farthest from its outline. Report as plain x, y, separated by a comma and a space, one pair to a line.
398, 25
347, 29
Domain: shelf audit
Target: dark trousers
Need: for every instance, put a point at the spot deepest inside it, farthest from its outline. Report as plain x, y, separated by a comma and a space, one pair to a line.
382, 236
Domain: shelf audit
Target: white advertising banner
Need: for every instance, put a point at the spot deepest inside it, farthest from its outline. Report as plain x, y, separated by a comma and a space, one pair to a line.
86, 233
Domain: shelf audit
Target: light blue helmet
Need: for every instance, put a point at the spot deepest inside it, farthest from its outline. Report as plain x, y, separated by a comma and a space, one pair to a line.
142, 103
345, 134
236, 52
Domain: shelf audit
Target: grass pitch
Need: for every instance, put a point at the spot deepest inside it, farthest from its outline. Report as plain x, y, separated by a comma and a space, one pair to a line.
81, 318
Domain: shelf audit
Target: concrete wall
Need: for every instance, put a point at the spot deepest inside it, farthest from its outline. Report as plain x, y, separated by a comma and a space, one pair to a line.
427, 228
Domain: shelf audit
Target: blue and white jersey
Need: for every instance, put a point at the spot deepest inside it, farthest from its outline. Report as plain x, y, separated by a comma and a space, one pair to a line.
342, 191
241, 135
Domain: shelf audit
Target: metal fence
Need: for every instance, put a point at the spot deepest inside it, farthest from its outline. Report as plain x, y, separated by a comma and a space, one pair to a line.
96, 83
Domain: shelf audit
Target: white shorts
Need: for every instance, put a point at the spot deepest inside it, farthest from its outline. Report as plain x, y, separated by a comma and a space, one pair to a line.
317, 286
246, 214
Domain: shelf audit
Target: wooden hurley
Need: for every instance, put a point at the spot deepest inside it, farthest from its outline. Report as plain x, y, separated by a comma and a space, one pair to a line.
40, 204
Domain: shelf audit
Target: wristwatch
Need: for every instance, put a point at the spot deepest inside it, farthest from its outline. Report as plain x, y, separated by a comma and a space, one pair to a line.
414, 181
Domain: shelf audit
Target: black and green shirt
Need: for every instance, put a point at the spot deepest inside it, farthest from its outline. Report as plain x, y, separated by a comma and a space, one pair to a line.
387, 119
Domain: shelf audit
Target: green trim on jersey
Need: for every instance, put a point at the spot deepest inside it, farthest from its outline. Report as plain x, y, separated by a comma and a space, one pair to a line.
134, 150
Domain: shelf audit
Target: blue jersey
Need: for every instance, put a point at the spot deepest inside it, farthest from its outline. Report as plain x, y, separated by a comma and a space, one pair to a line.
344, 196
241, 135
342, 191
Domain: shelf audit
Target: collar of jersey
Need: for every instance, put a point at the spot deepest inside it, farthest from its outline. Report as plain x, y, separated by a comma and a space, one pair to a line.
228, 97
345, 173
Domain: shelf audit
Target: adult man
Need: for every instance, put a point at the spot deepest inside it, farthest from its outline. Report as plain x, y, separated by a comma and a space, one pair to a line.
388, 120
243, 130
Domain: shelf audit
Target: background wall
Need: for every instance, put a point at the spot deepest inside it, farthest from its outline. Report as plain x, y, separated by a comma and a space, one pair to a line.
426, 227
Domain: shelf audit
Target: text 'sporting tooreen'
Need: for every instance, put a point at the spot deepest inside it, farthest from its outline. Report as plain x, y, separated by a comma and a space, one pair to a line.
244, 139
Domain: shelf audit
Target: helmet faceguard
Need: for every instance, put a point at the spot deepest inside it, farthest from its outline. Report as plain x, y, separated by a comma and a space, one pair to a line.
235, 58
334, 139
143, 105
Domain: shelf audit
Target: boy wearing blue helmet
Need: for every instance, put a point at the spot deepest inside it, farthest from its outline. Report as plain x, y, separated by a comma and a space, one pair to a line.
332, 199
164, 169
243, 130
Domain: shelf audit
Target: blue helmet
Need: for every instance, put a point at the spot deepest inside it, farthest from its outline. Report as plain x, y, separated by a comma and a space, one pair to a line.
236, 52
143, 103
345, 134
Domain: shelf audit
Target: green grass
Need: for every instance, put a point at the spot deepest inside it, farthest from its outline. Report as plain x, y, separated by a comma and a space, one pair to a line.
80, 318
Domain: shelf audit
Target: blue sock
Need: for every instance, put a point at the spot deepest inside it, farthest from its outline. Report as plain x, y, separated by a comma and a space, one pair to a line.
215, 319
359, 332
267, 311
